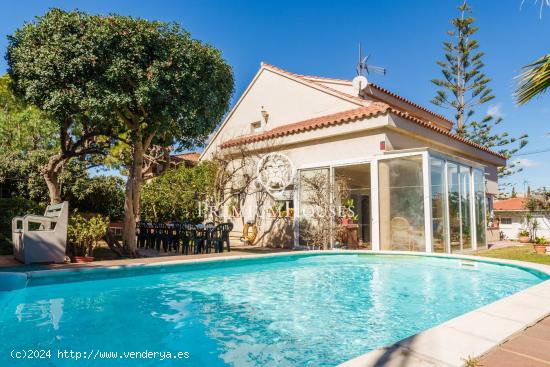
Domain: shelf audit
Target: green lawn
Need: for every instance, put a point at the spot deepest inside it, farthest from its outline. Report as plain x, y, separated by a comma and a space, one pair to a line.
520, 253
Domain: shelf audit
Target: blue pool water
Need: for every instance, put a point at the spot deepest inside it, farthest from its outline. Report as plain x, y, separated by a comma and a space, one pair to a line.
317, 310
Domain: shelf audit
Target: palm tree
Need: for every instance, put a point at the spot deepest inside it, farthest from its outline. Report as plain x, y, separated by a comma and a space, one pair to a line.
534, 80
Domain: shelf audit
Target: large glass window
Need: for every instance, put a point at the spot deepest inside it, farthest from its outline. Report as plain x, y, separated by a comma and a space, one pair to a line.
479, 188
454, 205
465, 207
439, 211
401, 204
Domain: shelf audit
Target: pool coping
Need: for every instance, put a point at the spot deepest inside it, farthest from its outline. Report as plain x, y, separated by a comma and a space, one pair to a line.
450, 343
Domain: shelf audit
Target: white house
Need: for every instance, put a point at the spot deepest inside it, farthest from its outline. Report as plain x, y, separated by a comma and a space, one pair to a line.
510, 214
414, 184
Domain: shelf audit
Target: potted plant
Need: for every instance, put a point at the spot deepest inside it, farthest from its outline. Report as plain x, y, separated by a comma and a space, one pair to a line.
83, 236
540, 245
523, 236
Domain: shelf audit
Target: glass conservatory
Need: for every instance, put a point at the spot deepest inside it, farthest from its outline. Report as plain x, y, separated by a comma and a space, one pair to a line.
414, 200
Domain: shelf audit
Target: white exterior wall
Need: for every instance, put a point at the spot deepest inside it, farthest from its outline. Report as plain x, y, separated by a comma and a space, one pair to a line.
511, 230
284, 99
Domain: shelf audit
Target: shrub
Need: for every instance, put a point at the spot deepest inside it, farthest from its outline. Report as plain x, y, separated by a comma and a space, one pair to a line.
176, 194
523, 233
84, 234
102, 195
540, 241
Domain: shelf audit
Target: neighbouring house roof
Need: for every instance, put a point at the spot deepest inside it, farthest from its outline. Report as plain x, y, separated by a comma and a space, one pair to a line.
187, 159
512, 204
366, 109
190, 157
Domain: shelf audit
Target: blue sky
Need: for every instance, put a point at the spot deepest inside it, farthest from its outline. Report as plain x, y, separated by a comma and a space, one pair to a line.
321, 38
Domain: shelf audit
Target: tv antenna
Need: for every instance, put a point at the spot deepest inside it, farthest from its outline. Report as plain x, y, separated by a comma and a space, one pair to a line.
361, 82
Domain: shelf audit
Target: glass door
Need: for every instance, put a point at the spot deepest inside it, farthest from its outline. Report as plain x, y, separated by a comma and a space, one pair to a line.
314, 201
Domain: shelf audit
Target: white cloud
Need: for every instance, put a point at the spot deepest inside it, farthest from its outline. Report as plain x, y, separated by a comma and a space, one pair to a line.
495, 110
527, 163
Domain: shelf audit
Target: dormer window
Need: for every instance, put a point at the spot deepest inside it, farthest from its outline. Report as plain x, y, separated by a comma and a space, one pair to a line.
255, 127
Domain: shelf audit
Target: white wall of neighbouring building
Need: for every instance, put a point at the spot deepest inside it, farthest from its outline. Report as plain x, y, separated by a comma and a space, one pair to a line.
517, 219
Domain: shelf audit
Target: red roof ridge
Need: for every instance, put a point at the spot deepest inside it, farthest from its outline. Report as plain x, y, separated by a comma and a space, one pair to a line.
375, 86
332, 90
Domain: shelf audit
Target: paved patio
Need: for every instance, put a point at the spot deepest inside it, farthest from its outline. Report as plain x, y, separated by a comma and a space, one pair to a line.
8, 263
531, 348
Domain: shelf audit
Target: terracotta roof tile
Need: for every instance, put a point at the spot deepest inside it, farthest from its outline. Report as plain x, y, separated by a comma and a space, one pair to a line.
374, 109
339, 118
509, 204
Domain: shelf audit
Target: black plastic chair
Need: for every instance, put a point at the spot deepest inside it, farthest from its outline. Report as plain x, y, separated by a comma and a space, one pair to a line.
187, 235
199, 239
142, 229
225, 229
209, 227
175, 236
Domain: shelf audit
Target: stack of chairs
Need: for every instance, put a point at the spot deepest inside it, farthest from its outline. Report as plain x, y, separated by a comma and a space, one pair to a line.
184, 237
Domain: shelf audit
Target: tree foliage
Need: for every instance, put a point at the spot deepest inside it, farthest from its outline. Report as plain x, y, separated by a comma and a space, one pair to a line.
20, 178
23, 127
534, 80
465, 86
56, 63
176, 194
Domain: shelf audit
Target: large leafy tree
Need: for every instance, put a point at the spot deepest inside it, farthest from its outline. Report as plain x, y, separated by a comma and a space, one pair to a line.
166, 89
57, 63
144, 83
465, 86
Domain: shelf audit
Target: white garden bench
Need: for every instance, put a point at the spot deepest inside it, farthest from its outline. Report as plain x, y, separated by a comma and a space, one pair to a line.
41, 239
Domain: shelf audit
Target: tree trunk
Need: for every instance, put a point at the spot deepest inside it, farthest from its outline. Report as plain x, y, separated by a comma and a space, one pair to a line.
132, 200
50, 172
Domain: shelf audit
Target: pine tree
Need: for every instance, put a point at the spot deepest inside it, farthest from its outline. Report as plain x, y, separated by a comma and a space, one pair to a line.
514, 194
464, 87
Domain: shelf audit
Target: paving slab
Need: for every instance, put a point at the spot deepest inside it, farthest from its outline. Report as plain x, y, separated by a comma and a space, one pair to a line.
390, 357
503, 358
446, 345
485, 326
526, 345
539, 331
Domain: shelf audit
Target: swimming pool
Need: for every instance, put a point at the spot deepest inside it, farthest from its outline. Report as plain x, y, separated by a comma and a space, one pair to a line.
296, 310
